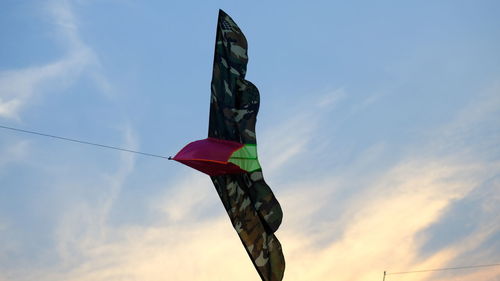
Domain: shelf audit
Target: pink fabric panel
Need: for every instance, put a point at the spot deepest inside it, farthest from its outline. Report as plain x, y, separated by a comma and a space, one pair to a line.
210, 156
213, 168
208, 149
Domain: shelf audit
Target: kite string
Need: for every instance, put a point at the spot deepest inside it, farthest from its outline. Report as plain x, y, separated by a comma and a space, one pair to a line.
84, 142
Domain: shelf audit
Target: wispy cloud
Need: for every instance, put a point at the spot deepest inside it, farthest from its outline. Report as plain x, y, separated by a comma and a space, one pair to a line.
80, 227
14, 152
294, 136
380, 228
332, 98
19, 86
85, 224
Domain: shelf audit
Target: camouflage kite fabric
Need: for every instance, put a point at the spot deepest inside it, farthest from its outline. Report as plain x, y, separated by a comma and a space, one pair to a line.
254, 211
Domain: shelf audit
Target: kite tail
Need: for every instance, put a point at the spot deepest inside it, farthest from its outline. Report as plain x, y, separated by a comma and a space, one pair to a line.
261, 245
265, 203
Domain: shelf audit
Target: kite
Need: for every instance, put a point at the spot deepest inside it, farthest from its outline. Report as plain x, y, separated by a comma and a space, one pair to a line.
229, 154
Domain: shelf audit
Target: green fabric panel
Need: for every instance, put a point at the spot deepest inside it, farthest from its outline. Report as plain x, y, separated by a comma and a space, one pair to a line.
246, 158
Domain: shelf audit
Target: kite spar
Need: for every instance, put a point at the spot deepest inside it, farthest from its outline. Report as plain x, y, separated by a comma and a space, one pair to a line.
229, 154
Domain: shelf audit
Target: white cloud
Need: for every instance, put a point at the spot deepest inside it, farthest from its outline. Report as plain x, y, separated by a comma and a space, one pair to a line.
10, 108
298, 131
288, 140
331, 98
85, 224
19, 86
5, 248
379, 224
378, 234
195, 195
14, 152
375, 230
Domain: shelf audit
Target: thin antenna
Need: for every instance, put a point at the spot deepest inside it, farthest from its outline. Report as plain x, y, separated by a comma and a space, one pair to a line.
84, 142
442, 269
385, 273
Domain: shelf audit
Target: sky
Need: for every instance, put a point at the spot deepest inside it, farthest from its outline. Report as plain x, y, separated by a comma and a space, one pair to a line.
378, 132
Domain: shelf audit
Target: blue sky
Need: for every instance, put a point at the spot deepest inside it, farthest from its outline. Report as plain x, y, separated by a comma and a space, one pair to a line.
378, 132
